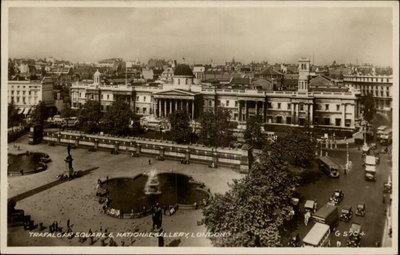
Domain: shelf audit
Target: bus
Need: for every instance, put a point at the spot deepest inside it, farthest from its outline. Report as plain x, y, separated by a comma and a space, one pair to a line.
329, 166
318, 236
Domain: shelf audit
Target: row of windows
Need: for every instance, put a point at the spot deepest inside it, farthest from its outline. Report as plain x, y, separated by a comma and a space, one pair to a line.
370, 79
376, 93
371, 87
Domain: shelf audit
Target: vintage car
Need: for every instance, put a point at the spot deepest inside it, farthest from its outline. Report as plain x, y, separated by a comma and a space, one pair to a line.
346, 213
360, 211
387, 186
336, 197
355, 234
310, 206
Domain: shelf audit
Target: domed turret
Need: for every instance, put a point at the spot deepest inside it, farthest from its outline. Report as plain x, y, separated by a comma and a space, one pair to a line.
96, 77
183, 75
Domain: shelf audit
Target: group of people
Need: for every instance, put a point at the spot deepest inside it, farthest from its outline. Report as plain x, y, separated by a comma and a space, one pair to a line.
156, 217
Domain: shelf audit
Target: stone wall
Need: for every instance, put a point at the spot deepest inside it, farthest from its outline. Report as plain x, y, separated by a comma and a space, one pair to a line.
235, 158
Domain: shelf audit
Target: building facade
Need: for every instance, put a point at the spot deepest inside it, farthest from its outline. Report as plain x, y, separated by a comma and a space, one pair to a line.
27, 94
338, 109
379, 86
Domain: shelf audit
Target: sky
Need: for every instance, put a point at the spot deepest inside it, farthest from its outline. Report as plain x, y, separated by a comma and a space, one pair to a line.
274, 34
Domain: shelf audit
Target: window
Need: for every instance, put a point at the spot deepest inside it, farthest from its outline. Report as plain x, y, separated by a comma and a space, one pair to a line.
269, 105
301, 107
279, 107
288, 106
381, 93
227, 102
288, 120
319, 107
326, 107
338, 122
179, 81
102, 96
338, 107
235, 116
137, 109
236, 103
137, 98
347, 122
278, 119
327, 121
108, 97
144, 99
144, 110
210, 103
387, 93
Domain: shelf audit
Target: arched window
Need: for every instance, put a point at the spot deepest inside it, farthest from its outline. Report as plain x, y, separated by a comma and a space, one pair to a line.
179, 81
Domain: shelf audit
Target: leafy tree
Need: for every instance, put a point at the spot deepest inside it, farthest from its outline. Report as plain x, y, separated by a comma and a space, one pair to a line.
67, 112
297, 147
89, 116
117, 119
256, 207
40, 113
216, 128
180, 129
252, 134
368, 104
14, 119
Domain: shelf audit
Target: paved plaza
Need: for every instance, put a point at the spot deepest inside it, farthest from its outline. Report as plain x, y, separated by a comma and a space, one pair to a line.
76, 200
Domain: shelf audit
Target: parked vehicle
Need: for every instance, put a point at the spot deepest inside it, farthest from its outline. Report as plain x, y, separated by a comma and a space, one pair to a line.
380, 130
370, 173
346, 213
336, 197
328, 214
354, 235
318, 236
310, 206
329, 166
387, 186
360, 211
370, 160
295, 241
386, 137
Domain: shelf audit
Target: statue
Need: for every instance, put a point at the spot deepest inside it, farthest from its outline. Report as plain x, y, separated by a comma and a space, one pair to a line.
69, 150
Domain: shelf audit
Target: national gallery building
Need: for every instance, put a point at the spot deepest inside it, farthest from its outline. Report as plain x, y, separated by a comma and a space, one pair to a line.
321, 107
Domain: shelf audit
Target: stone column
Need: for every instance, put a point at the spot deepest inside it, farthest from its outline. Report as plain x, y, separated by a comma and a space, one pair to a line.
187, 106
240, 110
159, 107
343, 115
311, 114
246, 110
256, 107
192, 110
176, 105
262, 110
170, 106
165, 108
292, 112
297, 113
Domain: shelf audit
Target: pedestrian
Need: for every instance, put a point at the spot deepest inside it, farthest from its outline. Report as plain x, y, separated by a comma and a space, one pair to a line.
149, 161
383, 199
160, 238
21, 172
338, 244
68, 223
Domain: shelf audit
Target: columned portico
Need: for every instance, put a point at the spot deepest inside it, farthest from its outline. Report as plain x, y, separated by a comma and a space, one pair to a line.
174, 100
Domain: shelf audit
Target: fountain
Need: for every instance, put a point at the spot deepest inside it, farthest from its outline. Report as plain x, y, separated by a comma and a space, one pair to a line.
152, 186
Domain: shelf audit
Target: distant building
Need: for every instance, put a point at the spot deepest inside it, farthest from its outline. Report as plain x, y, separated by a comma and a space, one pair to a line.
242, 95
148, 74
27, 94
379, 86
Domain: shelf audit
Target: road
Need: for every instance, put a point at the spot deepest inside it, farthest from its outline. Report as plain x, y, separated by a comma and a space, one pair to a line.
356, 190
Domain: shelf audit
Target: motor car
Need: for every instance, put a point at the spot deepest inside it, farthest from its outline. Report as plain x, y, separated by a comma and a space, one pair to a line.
370, 173
360, 211
387, 186
354, 234
310, 206
373, 146
336, 197
346, 213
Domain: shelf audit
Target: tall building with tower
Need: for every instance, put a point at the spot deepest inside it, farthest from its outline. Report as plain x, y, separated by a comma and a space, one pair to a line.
338, 109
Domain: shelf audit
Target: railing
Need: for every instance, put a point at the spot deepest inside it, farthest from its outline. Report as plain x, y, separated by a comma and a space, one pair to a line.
235, 158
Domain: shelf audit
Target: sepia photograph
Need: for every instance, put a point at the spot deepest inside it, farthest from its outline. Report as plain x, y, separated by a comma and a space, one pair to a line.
199, 127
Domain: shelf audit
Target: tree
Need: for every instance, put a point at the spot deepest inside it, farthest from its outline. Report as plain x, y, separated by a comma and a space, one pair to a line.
89, 116
67, 112
117, 119
252, 134
297, 147
369, 109
40, 113
180, 129
255, 208
14, 118
216, 128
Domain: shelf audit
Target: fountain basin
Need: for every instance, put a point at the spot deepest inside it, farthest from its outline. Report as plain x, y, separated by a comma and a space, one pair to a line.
128, 195
29, 162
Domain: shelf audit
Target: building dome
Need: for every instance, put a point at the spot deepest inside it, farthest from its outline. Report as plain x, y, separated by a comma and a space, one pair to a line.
183, 70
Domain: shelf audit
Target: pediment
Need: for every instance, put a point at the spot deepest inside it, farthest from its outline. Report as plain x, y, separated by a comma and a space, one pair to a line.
176, 92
